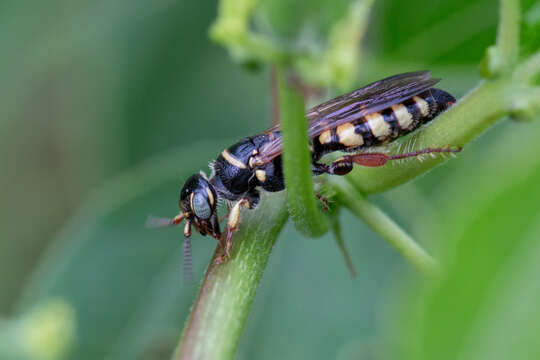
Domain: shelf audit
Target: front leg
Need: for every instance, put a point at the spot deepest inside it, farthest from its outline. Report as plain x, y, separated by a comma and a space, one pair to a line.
232, 226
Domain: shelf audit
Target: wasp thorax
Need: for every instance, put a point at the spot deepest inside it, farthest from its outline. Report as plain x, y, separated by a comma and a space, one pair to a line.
198, 197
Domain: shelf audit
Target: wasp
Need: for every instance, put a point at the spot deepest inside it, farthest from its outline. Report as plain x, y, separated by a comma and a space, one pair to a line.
373, 115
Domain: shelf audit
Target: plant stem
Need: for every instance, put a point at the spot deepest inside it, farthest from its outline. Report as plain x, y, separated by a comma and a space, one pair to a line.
302, 203
508, 33
338, 236
219, 314
529, 68
375, 218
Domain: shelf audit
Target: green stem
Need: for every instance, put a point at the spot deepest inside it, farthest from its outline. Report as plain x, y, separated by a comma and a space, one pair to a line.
529, 68
219, 314
303, 206
384, 226
338, 236
508, 33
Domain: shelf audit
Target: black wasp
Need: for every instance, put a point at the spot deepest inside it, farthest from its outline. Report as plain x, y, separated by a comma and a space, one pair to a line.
373, 115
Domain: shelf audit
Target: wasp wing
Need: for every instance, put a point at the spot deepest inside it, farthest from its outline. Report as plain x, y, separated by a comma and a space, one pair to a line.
371, 98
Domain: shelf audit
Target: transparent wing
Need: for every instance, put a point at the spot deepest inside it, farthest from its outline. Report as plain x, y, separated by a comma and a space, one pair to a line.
371, 98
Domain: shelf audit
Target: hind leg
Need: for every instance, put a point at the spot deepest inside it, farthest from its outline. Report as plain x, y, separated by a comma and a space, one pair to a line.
344, 165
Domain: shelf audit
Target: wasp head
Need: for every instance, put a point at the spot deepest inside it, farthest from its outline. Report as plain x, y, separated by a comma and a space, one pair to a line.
198, 204
198, 208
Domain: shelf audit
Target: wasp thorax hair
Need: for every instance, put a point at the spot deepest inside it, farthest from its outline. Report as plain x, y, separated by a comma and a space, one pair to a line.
355, 122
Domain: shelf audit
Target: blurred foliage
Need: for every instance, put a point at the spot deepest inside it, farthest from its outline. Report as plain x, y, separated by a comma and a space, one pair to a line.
45, 332
317, 39
530, 28
94, 90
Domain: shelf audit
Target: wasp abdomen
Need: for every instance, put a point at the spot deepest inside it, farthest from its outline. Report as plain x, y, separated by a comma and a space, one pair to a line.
420, 109
402, 118
384, 126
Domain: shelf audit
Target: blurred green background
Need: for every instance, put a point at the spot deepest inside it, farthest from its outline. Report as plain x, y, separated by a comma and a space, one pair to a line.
108, 106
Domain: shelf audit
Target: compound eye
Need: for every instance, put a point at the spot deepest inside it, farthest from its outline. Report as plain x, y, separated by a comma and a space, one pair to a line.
200, 206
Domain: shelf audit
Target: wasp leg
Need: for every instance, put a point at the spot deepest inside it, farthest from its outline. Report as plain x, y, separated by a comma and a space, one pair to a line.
323, 200
214, 227
339, 167
344, 165
379, 159
232, 226
226, 215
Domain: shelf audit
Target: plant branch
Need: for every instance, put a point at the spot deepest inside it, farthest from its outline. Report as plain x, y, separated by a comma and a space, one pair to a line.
527, 106
503, 56
219, 314
508, 32
383, 225
302, 203
529, 68
340, 242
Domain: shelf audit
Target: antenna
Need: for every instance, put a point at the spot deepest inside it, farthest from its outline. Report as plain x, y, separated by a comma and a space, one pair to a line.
154, 222
188, 265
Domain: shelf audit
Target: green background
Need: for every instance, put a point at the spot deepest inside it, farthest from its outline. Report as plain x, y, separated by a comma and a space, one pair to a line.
107, 107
